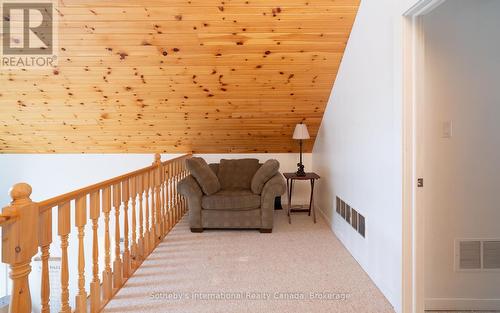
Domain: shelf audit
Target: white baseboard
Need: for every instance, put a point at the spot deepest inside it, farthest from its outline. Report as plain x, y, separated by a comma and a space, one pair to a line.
329, 221
461, 304
322, 214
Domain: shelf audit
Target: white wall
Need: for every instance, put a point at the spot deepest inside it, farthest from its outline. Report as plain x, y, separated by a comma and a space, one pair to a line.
462, 173
53, 174
358, 151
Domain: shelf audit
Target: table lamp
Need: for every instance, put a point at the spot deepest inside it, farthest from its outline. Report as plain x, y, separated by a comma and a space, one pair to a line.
300, 133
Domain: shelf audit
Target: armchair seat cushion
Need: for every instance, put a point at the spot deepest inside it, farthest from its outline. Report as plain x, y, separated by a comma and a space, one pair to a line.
231, 200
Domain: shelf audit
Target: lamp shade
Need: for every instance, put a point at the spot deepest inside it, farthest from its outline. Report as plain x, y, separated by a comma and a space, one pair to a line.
301, 132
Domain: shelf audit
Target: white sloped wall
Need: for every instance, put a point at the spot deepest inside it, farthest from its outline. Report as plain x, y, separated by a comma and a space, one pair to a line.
358, 151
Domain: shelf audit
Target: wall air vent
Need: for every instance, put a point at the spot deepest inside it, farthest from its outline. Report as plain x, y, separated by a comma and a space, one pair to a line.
361, 225
469, 255
477, 254
351, 216
491, 254
354, 219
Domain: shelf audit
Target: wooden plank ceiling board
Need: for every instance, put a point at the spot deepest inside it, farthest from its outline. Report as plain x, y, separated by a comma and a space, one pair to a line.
205, 76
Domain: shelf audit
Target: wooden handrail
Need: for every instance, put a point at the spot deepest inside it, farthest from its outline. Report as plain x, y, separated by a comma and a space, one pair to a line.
150, 192
5, 219
54, 201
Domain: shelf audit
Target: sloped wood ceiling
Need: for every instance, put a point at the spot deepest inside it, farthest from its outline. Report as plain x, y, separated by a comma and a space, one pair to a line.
179, 75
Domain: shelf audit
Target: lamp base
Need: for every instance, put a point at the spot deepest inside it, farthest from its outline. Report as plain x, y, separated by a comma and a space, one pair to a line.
300, 171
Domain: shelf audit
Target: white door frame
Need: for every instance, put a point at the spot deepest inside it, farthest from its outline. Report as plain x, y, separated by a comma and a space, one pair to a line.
413, 79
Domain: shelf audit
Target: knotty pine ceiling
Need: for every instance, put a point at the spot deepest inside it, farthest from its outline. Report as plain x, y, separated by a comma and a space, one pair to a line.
206, 76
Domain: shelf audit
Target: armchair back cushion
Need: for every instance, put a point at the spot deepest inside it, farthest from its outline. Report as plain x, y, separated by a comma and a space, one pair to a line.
205, 177
263, 174
237, 174
214, 167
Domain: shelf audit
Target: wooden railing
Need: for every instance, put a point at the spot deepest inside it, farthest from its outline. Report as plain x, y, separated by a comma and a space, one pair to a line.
151, 195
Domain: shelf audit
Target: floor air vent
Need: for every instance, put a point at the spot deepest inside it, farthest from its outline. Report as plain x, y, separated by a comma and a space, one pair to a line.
478, 255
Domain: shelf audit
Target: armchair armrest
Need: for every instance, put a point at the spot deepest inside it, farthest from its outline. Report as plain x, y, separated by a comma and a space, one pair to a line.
189, 188
273, 188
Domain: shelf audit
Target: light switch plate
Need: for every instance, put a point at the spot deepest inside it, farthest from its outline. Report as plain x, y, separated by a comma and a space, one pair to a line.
447, 129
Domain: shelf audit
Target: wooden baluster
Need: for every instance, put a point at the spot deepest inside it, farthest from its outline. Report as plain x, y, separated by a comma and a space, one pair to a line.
133, 197
107, 274
181, 200
165, 199
117, 264
162, 202
168, 183
174, 215
168, 198
177, 199
152, 211
95, 285
63, 229
172, 186
171, 183
179, 162
186, 174
157, 186
126, 252
146, 233
162, 196
80, 222
181, 204
20, 244
177, 202
179, 177
174, 198
140, 244
183, 175
44, 241
183, 166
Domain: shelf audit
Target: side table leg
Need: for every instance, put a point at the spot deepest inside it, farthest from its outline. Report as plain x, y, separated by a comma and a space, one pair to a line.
311, 197
311, 203
288, 202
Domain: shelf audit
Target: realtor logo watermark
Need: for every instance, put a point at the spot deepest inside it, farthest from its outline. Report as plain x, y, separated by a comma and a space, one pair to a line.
251, 295
29, 33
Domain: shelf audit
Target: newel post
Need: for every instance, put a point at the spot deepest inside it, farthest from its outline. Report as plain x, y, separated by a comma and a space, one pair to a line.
20, 244
157, 163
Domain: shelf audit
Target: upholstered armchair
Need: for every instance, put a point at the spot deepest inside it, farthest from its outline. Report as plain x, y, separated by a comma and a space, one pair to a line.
232, 194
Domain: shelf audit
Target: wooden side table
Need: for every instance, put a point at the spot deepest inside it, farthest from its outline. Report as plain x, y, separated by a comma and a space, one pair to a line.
290, 177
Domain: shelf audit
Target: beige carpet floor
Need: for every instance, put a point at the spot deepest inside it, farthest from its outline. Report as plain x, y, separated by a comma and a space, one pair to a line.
246, 271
